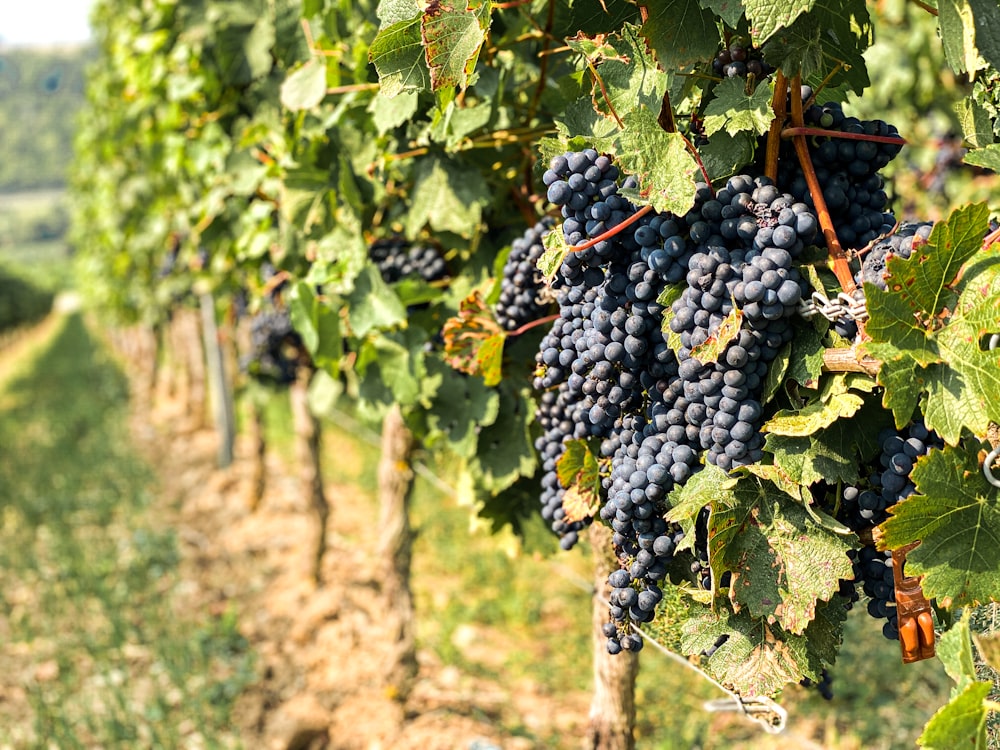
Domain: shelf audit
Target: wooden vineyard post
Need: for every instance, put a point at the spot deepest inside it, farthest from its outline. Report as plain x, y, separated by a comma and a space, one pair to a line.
194, 364
219, 387
258, 440
612, 706
395, 485
307, 449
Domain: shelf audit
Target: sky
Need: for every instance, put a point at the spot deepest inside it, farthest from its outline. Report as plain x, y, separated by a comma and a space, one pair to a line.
44, 22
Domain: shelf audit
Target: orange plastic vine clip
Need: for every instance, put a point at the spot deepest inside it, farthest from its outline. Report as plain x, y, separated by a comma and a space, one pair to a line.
913, 611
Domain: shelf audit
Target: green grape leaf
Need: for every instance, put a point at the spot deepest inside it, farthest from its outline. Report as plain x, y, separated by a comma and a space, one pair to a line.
629, 76
759, 658
735, 111
954, 649
987, 158
452, 39
815, 416
988, 647
955, 515
977, 127
372, 304
806, 364
724, 154
958, 23
397, 53
257, 47
660, 162
318, 323
832, 31
461, 405
447, 198
392, 367
709, 351
767, 16
904, 317
388, 114
506, 447
729, 11
580, 474
928, 329
680, 33
813, 458
394, 11
782, 561
554, 254
987, 18
687, 500
960, 723
305, 88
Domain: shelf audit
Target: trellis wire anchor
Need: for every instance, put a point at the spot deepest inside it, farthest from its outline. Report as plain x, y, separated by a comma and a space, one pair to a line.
760, 709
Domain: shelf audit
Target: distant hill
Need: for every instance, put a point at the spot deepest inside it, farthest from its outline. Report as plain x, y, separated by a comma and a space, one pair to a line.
41, 92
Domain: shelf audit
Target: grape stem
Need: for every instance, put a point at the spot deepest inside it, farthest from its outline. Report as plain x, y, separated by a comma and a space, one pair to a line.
992, 237
613, 231
792, 132
532, 324
841, 267
778, 102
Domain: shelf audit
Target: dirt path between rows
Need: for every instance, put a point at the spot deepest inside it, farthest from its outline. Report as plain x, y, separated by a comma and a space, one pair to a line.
321, 659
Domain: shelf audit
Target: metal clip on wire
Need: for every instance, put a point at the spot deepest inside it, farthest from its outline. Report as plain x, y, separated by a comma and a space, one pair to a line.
761, 709
988, 466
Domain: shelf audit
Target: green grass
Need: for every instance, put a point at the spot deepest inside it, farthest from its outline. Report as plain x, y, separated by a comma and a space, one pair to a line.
87, 576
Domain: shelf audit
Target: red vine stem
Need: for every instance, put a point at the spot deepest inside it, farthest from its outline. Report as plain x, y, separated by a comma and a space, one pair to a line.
532, 324
841, 268
929, 8
794, 131
614, 230
778, 102
992, 237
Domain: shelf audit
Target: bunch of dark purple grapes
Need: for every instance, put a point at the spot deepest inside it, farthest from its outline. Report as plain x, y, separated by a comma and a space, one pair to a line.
847, 170
741, 61
524, 295
396, 258
656, 402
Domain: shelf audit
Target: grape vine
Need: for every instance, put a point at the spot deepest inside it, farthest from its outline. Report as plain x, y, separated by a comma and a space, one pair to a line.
631, 265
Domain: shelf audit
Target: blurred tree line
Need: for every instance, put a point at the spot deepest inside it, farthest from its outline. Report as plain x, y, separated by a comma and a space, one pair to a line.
41, 92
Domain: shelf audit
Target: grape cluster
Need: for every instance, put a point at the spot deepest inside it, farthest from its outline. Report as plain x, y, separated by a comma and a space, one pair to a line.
276, 349
740, 61
824, 686
397, 259
866, 505
847, 170
524, 296
658, 403
899, 243
873, 571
